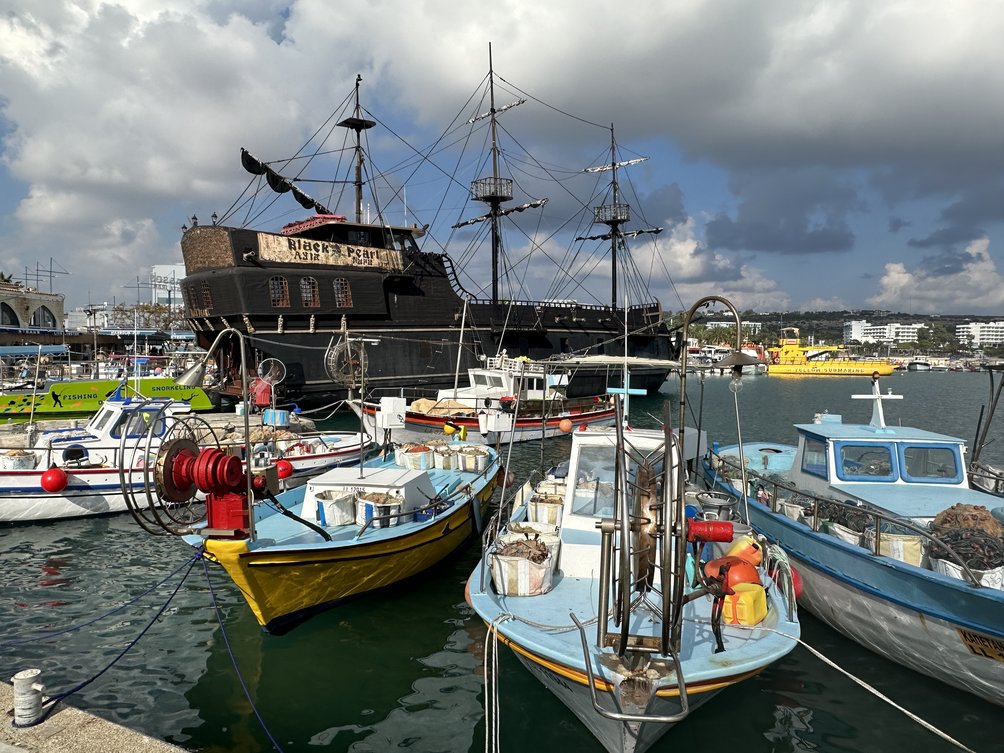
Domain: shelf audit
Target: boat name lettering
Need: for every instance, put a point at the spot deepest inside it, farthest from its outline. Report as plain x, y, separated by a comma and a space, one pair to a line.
983, 645
304, 250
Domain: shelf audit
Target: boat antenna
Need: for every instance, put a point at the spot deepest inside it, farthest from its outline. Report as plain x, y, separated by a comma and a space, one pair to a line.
358, 124
878, 415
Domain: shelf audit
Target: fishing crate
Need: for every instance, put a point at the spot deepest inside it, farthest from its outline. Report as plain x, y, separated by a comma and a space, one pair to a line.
519, 576
335, 507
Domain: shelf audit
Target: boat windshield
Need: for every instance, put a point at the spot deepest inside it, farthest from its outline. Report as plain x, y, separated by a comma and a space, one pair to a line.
931, 463
594, 479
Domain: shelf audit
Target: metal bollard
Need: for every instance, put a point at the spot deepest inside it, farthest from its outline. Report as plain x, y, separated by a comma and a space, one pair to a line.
27, 697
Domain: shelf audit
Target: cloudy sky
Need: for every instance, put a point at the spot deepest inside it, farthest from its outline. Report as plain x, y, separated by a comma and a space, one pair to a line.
802, 155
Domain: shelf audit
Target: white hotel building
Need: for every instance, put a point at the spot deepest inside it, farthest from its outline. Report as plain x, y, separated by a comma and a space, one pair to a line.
864, 332
980, 334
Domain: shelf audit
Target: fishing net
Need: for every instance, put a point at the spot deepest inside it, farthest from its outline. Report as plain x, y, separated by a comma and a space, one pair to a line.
977, 548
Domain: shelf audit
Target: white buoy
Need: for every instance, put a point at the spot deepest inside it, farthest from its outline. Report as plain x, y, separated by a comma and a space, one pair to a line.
27, 697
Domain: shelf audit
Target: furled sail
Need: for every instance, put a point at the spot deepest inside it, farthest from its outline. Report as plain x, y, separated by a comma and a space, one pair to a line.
280, 184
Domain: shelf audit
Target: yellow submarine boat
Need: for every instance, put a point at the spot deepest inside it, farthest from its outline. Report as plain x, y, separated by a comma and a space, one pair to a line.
792, 358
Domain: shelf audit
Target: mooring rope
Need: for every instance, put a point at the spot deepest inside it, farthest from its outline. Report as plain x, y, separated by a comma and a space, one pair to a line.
49, 705
79, 626
874, 691
493, 729
233, 659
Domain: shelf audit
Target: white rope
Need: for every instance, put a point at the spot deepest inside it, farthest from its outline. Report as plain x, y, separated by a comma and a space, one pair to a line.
874, 691
493, 734
926, 725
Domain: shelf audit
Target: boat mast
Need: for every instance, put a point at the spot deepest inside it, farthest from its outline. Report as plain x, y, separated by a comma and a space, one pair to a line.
358, 124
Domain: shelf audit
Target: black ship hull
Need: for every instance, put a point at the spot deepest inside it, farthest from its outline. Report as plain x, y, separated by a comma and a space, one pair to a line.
295, 298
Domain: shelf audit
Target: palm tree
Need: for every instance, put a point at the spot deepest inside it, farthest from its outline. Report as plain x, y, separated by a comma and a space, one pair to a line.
4, 277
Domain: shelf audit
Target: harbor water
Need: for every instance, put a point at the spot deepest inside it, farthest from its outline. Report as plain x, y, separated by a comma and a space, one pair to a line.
404, 668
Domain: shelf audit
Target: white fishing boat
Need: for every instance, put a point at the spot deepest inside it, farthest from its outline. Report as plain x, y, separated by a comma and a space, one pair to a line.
896, 551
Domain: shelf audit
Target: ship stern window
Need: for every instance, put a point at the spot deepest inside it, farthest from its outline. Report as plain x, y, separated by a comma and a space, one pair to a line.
206, 294
309, 293
343, 293
278, 292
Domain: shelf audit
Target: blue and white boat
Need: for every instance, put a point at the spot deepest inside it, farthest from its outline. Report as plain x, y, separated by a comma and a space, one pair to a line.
917, 577
610, 609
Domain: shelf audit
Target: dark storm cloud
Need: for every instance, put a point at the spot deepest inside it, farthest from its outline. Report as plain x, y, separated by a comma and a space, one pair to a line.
947, 238
897, 223
803, 212
984, 205
944, 264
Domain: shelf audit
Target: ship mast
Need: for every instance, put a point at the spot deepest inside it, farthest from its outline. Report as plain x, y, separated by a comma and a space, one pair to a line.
495, 189
358, 124
614, 214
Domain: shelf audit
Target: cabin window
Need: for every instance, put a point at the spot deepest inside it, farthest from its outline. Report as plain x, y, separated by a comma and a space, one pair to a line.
814, 457
102, 420
343, 293
496, 381
480, 380
137, 424
865, 462
309, 296
358, 237
278, 292
206, 293
937, 464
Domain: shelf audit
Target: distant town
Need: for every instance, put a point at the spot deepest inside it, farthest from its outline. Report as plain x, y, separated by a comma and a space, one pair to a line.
158, 312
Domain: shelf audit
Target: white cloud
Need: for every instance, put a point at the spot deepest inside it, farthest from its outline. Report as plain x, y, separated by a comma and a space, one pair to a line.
977, 287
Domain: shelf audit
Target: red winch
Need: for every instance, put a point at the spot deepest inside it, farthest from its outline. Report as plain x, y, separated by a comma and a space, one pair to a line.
183, 468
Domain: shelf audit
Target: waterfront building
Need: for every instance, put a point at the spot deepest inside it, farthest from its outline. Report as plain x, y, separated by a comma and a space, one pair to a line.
864, 332
980, 334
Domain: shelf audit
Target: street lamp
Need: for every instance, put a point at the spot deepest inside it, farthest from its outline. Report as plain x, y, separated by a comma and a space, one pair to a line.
194, 376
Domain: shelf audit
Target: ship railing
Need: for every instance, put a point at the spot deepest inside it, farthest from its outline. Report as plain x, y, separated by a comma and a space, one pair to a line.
771, 492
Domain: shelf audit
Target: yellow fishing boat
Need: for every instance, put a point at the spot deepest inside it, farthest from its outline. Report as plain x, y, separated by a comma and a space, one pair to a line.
790, 357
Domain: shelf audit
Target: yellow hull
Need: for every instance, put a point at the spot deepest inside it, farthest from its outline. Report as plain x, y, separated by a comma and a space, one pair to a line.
282, 585
831, 367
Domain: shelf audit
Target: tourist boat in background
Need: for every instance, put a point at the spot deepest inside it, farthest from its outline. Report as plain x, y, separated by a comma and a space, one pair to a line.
791, 357
346, 532
82, 398
293, 292
895, 550
919, 363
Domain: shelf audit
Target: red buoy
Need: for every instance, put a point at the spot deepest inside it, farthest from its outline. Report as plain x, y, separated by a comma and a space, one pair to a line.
284, 468
54, 480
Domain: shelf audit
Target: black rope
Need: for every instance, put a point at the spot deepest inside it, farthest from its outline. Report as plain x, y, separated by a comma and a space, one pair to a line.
72, 628
52, 701
233, 660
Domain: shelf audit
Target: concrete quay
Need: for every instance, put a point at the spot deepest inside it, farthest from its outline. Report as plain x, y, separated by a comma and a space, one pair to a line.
70, 730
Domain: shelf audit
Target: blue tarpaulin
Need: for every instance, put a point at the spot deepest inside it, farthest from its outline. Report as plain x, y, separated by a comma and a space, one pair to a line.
32, 350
